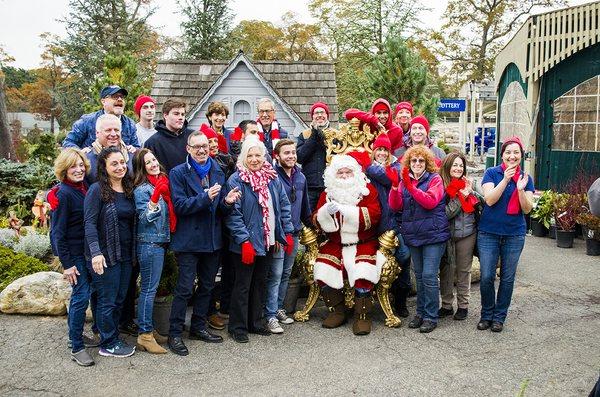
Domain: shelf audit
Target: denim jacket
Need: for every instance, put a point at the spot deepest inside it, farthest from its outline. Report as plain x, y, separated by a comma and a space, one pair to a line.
152, 226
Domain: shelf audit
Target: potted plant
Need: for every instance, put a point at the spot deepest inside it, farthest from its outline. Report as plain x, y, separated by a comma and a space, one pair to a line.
590, 225
164, 294
567, 208
542, 213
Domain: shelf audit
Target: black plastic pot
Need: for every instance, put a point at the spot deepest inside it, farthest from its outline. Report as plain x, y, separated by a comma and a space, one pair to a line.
592, 247
552, 231
538, 229
292, 295
161, 313
564, 238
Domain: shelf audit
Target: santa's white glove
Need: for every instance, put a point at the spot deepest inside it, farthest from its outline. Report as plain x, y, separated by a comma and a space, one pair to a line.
332, 208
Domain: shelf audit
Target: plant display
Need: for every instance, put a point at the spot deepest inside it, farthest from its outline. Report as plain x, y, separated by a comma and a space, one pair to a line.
543, 209
15, 265
8, 238
34, 244
567, 207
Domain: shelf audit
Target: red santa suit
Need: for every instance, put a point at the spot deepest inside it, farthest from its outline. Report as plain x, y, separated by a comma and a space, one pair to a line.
352, 231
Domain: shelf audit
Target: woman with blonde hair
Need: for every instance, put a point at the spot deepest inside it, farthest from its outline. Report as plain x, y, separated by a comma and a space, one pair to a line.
462, 208
67, 239
424, 226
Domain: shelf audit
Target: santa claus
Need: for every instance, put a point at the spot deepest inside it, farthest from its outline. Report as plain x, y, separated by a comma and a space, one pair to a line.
348, 212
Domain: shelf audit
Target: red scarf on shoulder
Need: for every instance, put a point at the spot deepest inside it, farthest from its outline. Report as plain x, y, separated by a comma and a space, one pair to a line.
453, 189
154, 179
514, 206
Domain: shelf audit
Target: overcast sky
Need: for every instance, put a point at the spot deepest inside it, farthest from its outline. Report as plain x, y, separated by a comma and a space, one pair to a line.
24, 20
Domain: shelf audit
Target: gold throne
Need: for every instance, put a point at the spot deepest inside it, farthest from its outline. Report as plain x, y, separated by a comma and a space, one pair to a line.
350, 138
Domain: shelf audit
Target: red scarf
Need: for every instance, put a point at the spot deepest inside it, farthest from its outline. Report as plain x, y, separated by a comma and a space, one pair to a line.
274, 132
514, 206
238, 134
154, 179
259, 181
453, 189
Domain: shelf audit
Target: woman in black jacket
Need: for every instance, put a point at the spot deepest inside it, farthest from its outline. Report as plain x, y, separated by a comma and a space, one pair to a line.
109, 212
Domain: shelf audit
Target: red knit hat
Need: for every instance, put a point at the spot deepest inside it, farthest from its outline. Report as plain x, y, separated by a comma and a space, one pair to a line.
420, 120
404, 105
208, 131
362, 158
140, 101
319, 105
508, 141
383, 140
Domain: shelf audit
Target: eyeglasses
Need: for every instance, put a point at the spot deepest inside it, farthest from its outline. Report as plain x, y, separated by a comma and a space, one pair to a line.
293, 194
415, 161
265, 111
117, 96
198, 147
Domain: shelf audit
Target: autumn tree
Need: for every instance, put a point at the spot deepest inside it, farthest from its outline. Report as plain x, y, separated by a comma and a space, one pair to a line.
475, 31
260, 40
205, 29
301, 40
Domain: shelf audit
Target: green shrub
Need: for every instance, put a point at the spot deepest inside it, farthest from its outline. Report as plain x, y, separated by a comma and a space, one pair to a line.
15, 265
34, 244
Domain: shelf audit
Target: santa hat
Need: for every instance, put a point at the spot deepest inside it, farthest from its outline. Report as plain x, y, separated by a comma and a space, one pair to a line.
356, 161
319, 105
420, 120
140, 101
362, 158
237, 134
208, 131
382, 140
508, 141
404, 105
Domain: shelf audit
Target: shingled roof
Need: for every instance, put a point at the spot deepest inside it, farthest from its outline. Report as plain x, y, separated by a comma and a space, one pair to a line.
299, 84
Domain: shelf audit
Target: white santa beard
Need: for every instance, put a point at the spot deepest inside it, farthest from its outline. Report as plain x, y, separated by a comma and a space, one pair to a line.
346, 191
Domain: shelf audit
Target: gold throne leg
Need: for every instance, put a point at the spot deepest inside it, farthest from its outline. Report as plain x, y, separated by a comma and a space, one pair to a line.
313, 295
389, 272
391, 320
308, 238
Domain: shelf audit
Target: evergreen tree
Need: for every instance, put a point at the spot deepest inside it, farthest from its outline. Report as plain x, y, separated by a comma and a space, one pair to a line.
399, 74
206, 28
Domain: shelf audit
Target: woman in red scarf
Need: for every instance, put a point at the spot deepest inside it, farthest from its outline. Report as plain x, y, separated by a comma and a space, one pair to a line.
462, 207
156, 221
260, 225
508, 195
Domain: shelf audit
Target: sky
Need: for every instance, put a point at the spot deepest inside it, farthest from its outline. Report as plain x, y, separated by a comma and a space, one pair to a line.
24, 20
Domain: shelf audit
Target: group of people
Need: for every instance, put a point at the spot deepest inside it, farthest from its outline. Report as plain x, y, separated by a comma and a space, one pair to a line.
235, 202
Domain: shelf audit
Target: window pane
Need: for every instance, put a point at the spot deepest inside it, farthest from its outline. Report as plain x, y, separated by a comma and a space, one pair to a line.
586, 109
562, 136
563, 110
585, 137
589, 87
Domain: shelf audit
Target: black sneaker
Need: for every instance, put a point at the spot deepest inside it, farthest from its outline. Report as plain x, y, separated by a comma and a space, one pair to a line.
427, 327
461, 314
443, 312
497, 326
416, 322
239, 337
484, 324
130, 329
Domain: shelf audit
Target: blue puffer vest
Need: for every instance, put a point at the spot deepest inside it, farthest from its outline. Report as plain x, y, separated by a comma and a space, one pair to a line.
420, 226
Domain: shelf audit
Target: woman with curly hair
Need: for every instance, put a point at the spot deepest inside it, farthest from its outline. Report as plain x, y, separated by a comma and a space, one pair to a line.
109, 214
424, 226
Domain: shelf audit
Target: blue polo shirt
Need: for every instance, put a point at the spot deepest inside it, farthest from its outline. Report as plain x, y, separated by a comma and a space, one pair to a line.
494, 219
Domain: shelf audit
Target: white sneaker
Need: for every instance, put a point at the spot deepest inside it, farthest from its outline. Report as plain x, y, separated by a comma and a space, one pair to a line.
274, 327
283, 317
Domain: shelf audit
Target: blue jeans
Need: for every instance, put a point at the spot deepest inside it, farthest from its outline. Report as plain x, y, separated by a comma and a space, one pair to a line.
111, 287
151, 257
278, 277
508, 249
205, 265
80, 298
426, 262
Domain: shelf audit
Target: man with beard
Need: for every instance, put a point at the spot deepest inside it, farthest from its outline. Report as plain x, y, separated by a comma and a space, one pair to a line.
84, 130
348, 212
169, 144
268, 125
311, 151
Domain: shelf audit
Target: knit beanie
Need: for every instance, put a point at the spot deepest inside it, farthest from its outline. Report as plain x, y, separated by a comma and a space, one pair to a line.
380, 106
420, 120
383, 140
140, 101
404, 105
319, 105
508, 141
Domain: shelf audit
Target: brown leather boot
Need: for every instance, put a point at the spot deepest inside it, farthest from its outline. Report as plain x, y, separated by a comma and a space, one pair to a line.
334, 299
160, 339
362, 315
146, 342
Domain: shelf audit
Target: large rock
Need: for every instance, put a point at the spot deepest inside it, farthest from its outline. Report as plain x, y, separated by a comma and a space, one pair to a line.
39, 293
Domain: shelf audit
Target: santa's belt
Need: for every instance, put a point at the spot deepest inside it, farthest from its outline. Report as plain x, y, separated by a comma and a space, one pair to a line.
358, 242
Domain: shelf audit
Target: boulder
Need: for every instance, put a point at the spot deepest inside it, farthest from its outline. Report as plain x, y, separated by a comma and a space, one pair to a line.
39, 293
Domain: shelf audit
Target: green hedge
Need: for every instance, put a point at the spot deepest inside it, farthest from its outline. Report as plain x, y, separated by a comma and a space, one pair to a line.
16, 265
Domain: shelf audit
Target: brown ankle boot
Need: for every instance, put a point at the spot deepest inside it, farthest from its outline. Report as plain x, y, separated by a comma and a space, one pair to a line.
362, 315
334, 299
146, 342
161, 340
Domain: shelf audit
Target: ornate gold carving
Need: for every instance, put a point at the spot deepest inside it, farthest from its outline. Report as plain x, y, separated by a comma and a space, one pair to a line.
390, 270
308, 238
348, 138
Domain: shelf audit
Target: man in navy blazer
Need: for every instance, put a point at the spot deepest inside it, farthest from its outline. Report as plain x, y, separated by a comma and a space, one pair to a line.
200, 202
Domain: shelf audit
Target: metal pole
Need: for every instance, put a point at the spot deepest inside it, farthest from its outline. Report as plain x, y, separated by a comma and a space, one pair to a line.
472, 124
481, 124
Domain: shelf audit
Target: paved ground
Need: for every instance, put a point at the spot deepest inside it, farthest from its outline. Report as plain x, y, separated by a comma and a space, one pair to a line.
550, 347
